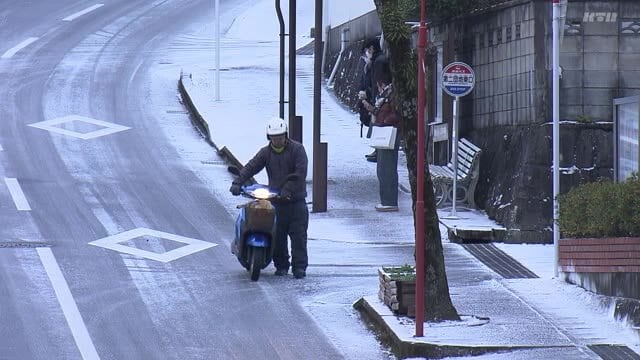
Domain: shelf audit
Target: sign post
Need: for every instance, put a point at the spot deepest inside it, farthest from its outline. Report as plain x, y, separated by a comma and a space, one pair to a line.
458, 79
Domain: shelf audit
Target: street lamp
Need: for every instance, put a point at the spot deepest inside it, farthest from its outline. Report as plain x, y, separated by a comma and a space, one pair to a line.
217, 80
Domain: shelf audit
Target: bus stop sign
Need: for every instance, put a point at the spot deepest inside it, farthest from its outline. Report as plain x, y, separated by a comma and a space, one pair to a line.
458, 79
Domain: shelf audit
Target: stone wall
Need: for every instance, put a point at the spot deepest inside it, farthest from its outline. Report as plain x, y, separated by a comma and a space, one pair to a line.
515, 172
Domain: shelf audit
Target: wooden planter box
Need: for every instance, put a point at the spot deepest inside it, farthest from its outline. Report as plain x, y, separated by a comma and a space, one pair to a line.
398, 289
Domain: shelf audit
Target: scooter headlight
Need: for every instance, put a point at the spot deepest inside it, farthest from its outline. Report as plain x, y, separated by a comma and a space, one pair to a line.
262, 194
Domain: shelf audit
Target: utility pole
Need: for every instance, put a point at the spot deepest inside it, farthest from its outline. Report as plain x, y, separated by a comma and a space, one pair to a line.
422, 42
556, 133
319, 149
281, 80
295, 130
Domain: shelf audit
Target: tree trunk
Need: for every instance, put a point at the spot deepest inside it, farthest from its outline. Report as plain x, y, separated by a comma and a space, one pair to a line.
403, 62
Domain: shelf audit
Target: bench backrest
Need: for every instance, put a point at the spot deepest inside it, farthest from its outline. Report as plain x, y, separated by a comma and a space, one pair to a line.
468, 158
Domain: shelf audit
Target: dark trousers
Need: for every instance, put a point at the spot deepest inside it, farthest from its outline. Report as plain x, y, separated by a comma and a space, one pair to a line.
292, 219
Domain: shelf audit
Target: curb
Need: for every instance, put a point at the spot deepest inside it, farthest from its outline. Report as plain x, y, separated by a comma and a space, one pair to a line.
203, 126
188, 102
403, 348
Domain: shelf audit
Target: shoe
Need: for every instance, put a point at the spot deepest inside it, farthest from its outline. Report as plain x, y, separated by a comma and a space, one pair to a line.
281, 272
299, 274
386, 208
373, 157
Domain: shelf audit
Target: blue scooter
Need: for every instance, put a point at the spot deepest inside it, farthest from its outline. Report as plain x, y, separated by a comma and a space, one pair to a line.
255, 227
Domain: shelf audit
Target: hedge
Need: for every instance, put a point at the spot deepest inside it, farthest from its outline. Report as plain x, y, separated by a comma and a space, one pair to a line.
601, 209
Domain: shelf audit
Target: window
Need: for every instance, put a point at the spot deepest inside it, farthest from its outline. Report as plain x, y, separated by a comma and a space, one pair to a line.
518, 34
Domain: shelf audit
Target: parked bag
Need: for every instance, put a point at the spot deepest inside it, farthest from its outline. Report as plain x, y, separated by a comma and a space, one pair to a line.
383, 137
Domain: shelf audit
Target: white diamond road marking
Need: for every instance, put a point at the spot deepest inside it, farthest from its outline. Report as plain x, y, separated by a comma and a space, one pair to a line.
50, 125
113, 243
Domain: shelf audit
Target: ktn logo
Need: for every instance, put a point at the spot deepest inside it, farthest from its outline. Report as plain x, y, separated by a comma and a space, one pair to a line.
590, 16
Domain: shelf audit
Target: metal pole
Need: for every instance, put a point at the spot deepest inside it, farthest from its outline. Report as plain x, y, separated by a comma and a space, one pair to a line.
217, 10
292, 64
317, 73
454, 150
420, 245
282, 35
556, 133
319, 151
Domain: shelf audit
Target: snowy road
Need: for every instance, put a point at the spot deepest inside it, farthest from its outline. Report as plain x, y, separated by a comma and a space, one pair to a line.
96, 148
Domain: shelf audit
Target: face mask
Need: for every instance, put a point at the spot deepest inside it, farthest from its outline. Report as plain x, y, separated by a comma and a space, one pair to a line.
277, 149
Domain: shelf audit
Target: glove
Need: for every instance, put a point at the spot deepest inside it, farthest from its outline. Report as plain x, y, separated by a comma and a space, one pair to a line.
285, 195
235, 189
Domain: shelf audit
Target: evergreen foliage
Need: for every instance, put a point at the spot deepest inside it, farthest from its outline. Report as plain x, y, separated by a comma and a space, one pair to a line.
601, 209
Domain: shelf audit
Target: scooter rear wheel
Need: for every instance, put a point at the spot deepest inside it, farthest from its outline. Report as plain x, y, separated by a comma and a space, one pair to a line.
257, 259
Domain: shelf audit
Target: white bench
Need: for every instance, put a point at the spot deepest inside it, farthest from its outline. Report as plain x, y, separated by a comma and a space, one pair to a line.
468, 171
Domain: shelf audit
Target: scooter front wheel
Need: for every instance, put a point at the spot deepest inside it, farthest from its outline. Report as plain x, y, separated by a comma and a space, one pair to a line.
257, 260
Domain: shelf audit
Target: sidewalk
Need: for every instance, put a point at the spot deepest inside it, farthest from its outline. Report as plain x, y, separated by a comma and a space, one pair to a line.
533, 318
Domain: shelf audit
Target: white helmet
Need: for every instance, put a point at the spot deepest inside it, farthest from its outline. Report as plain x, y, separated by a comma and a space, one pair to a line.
276, 126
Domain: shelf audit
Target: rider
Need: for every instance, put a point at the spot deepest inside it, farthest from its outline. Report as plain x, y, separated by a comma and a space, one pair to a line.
282, 157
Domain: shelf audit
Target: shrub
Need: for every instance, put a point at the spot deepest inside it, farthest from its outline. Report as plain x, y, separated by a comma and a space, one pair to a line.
601, 209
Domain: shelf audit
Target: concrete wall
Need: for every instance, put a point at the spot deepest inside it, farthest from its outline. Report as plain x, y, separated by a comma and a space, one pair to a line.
620, 284
600, 57
339, 12
510, 49
359, 28
501, 48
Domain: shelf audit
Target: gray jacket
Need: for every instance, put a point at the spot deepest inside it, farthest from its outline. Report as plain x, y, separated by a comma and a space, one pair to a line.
293, 159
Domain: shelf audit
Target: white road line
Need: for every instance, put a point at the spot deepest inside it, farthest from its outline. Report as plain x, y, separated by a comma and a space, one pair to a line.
68, 304
1, 148
83, 12
15, 49
17, 195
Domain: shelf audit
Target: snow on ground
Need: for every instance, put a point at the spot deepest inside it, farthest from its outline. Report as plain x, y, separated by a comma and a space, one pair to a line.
559, 302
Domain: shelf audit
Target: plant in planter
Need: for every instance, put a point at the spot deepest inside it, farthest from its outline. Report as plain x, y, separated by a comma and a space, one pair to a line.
600, 245
601, 209
398, 289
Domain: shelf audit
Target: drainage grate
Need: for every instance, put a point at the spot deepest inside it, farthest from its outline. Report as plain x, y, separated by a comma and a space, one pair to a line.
22, 244
614, 352
499, 261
